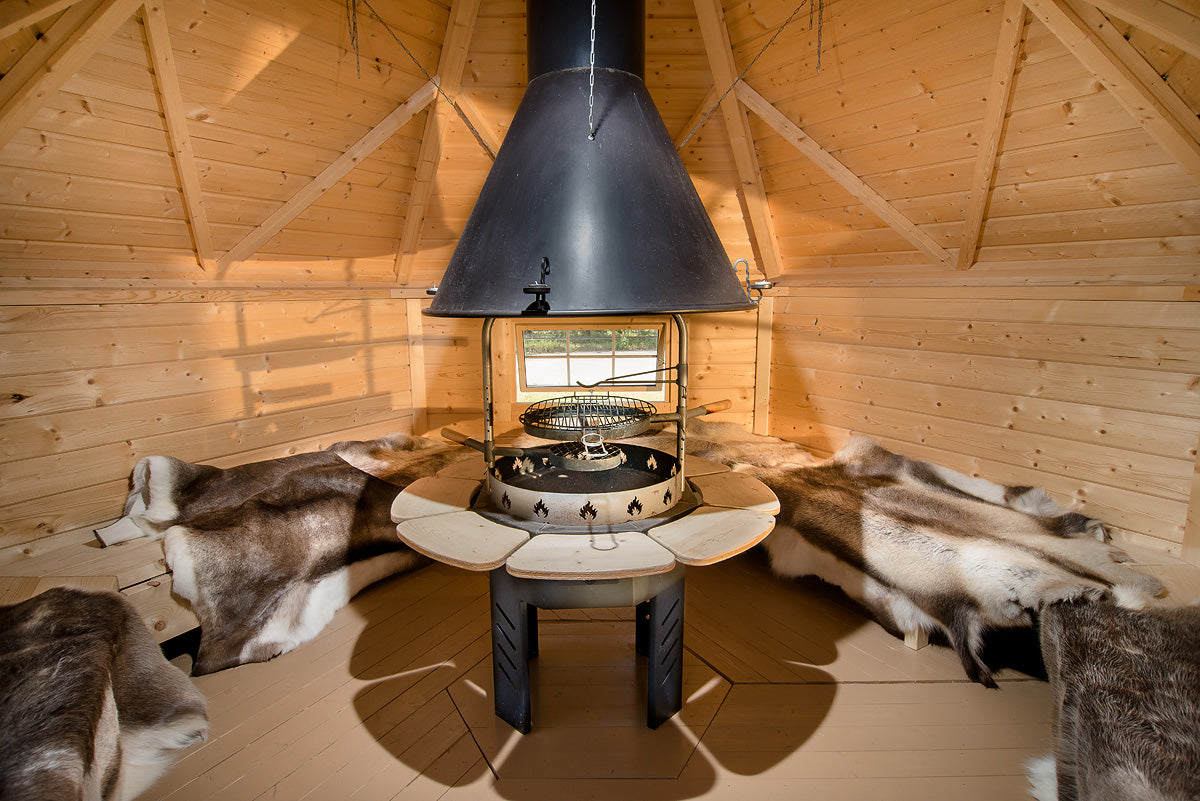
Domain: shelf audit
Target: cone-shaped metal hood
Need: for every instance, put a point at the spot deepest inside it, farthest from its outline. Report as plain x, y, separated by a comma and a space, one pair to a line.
615, 218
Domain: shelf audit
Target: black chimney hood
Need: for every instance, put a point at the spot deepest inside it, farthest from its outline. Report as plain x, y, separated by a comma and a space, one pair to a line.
569, 224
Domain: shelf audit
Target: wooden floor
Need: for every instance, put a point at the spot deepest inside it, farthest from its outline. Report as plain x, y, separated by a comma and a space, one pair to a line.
789, 693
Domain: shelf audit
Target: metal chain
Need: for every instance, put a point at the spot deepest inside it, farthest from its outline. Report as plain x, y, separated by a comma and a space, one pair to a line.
352, 17
592, 77
436, 83
779, 30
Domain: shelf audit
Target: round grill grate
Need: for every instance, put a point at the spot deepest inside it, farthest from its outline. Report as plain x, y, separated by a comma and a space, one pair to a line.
568, 418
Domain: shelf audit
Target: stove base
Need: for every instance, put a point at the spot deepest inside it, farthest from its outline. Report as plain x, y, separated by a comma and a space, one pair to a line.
659, 635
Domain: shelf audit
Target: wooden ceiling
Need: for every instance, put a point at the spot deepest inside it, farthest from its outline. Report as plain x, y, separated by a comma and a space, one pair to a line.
240, 141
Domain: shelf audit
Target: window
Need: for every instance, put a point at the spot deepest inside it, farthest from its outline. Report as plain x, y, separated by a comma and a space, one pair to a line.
558, 358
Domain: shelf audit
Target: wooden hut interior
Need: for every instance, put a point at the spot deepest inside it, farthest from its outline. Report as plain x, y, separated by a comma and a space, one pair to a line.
968, 230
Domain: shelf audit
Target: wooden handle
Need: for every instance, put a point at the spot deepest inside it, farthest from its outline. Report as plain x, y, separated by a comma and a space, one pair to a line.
709, 408
471, 442
461, 439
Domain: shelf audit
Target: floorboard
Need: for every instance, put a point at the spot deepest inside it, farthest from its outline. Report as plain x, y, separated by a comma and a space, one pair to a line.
790, 691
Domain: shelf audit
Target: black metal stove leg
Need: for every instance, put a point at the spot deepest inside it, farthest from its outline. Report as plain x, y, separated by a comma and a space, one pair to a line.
664, 653
531, 628
641, 631
512, 619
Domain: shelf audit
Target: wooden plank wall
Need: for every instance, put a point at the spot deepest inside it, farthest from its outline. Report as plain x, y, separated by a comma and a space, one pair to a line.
1066, 356
1088, 392
95, 381
118, 339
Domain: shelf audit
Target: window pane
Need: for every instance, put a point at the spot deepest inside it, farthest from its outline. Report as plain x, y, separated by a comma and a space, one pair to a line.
592, 341
641, 340
540, 343
590, 369
546, 371
627, 365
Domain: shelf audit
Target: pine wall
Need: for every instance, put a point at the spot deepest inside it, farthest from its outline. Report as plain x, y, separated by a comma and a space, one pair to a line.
217, 229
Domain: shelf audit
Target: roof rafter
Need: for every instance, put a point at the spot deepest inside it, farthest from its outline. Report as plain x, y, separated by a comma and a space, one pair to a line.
166, 82
1129, 85
840, 173
999, 97
16, 16
453, 59
1129, 56
698, 116
330, 175
711, 18
55, 57
1173, 25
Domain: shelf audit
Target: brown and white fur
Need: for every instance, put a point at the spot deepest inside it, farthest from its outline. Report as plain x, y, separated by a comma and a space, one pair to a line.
267, 552
1126, 687
923, 547
89, 708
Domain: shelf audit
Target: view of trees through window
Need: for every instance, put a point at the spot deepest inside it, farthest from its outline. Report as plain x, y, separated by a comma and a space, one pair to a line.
563, 356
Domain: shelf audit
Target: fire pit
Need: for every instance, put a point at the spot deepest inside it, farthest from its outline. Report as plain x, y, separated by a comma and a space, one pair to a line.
589, 209
453, 518
557, 532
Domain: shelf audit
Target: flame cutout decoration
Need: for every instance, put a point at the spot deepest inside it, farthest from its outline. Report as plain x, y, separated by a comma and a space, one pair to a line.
652, 463
634, 507
588, 511
527, 466
667, 498
541, 509
674, 468
506, 501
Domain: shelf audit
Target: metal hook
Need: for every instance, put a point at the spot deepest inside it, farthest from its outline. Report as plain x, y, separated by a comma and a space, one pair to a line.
756, 286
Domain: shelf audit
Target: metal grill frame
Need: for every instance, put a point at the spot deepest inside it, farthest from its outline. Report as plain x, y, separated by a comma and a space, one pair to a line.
570, 417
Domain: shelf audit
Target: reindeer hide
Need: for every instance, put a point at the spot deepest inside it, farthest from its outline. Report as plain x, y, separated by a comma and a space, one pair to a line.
1127, 703
89, 708
920, 546
267, 552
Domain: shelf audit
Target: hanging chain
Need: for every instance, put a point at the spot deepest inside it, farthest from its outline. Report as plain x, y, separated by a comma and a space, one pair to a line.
436, 83
352, 17
592, 77
819, 5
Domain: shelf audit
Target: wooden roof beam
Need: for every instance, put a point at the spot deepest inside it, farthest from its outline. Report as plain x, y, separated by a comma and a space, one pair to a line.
1132, 87
711, 18
166, 81
451, 63
16, 15
1136, 63
330, 175
697, 117
875, 202
999, 97
1163, 20
55, 57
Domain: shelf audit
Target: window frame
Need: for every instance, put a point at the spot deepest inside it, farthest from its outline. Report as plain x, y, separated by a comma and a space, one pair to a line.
657, 389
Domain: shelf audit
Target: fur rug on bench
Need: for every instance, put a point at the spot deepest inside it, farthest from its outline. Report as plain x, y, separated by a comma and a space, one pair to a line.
267, 552
922, 547
1127, 704
89, 708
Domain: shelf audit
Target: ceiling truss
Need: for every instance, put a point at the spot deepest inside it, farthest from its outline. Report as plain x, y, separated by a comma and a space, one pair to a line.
1082, 27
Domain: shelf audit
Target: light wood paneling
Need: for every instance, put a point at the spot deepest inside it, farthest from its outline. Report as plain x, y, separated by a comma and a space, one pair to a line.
1092, 397
93, 387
